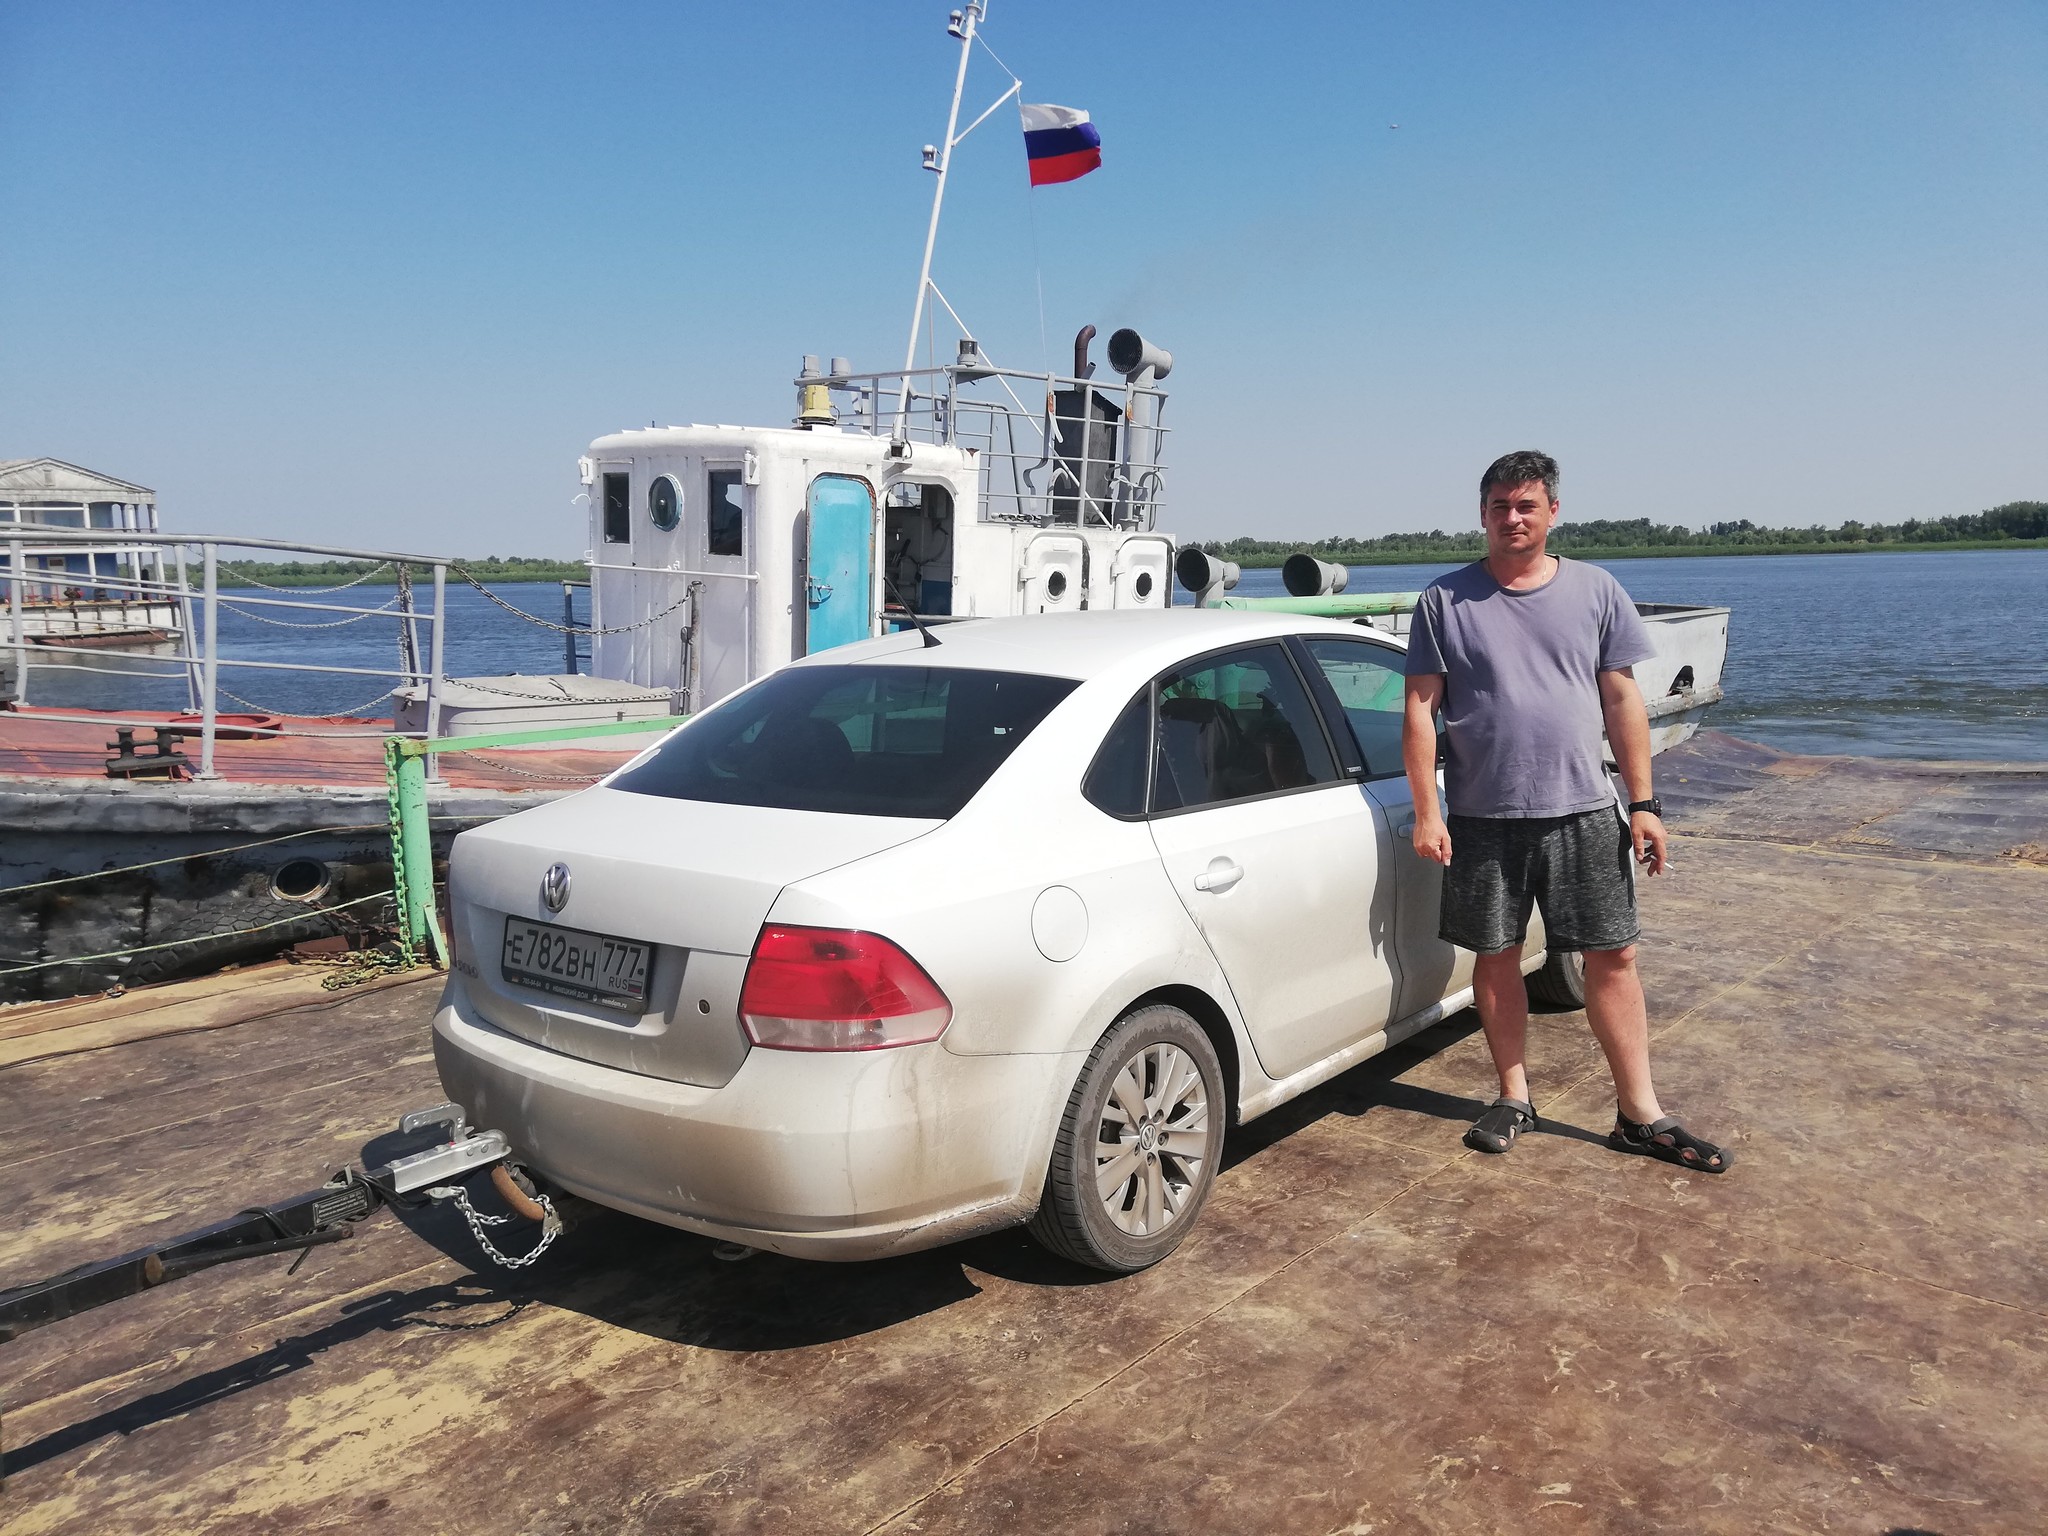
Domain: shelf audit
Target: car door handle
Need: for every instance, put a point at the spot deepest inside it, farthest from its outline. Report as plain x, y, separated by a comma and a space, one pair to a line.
1405, 828
1220, 876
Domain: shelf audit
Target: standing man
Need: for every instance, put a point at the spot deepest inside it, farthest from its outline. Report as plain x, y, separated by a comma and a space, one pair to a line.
1525, 655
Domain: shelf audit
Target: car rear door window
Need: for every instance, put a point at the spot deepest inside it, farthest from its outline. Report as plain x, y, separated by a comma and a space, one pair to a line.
1116, 779
855, 740
1234, 726
1367, 680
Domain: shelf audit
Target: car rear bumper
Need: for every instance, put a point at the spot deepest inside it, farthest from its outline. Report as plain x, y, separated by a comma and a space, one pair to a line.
818, 1155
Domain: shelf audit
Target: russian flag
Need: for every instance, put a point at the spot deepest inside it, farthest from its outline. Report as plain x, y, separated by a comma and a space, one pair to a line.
1061, 143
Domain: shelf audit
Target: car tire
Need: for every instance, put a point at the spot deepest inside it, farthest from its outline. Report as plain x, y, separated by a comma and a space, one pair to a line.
1147, 1114
1560, 983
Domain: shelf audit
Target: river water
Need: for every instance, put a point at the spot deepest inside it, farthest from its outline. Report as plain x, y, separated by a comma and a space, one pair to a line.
1931, 655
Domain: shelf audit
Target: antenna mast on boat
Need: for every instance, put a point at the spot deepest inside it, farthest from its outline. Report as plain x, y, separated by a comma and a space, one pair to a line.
962, 24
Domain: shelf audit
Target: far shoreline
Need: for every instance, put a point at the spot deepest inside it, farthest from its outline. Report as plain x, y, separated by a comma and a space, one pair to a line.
1263, 562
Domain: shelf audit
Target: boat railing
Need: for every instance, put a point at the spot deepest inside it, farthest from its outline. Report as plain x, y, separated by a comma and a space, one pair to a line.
188, 577
1051, 448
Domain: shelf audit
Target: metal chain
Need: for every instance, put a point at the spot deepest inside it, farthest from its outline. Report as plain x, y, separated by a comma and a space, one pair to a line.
265, 709
288, 624
316, 591
408, 638
528, 773
481, 686
364, 965
550, 1227
573, 629
512, 693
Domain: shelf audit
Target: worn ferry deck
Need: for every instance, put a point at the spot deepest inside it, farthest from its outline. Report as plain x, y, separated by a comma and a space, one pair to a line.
1372, 1330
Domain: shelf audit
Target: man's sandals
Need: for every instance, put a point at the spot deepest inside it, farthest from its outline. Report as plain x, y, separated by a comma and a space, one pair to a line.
1665, 1139
1497, 1128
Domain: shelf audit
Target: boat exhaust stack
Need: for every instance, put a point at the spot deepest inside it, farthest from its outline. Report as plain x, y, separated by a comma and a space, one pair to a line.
1083, 368
1306, 576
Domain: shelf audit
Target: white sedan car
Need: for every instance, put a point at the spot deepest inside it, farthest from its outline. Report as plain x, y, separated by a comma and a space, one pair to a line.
908, 942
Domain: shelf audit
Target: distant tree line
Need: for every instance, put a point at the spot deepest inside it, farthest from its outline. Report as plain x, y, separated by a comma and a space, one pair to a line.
2016, 520
332, 573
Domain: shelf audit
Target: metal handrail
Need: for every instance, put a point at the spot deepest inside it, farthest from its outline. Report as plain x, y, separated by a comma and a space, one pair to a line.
943, 415
200, 655
42, 535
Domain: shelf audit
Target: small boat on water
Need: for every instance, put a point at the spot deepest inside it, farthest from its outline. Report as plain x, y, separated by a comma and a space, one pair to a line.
82, 597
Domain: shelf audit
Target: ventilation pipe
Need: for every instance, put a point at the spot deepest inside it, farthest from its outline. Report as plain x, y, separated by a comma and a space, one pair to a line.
1305, 576
1143, 365
1138, 360
1204, 575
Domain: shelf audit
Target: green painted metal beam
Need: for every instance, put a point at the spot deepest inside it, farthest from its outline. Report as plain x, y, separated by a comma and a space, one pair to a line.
412, 835
416, 853
410, 746
1337, 605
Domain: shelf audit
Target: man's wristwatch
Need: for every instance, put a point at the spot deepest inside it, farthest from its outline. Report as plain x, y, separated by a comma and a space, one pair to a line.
1653, 805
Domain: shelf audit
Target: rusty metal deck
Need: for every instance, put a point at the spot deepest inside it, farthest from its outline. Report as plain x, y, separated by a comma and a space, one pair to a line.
1372, 1330
337, 752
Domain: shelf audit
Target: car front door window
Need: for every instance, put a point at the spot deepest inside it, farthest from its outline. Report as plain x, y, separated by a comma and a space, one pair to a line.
1370, 691
1234, 727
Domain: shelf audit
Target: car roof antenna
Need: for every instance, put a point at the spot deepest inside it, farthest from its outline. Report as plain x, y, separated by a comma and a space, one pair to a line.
910, 613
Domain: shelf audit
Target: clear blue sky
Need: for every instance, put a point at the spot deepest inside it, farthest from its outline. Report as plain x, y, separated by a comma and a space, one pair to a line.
378, 272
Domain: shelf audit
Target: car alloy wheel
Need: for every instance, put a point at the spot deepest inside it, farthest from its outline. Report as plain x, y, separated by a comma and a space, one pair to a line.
1138, 1147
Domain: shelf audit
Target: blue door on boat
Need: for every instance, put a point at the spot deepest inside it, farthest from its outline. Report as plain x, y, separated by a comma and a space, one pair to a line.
839, 532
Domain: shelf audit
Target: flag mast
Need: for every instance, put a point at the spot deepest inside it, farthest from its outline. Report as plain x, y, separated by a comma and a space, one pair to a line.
962, 25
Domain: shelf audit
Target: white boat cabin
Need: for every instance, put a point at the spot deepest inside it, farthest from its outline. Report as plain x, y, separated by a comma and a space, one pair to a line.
952, 492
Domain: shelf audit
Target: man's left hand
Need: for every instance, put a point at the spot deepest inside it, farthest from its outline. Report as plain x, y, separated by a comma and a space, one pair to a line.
1647, 833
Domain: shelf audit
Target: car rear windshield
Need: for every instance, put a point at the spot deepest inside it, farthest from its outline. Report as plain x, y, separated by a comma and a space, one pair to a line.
858, 740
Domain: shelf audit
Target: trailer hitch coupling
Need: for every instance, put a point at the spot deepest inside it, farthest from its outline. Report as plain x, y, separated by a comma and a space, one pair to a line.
433, 1173
463, 1153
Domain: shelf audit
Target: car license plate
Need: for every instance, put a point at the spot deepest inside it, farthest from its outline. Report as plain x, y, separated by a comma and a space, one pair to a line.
571, 963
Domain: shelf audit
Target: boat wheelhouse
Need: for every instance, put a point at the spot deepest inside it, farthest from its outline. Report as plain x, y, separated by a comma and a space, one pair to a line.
917, 496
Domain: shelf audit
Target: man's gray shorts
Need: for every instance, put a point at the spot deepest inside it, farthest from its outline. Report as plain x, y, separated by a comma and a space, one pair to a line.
1576, 868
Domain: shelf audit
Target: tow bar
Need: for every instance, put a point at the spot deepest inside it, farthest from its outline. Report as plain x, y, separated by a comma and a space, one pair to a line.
324, 1215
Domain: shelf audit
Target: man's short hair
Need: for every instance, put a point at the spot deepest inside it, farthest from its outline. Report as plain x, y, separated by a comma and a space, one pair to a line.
1513, 469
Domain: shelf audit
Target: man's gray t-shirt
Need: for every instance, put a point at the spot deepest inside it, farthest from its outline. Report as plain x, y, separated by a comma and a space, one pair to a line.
1521, 704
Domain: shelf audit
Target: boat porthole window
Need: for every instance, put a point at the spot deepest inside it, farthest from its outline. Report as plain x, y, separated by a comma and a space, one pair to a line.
665, 503
1056, 585
300, 880
1143, 585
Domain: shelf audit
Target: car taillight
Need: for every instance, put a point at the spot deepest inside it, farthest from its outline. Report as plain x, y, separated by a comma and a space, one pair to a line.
833, 989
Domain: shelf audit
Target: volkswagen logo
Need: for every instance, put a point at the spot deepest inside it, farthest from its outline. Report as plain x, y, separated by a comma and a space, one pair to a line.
554, 887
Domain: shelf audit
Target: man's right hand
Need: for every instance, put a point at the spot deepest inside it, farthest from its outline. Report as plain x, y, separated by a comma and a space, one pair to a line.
1433, 839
